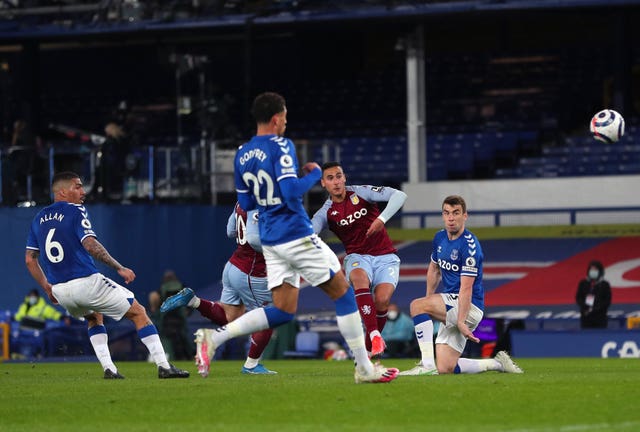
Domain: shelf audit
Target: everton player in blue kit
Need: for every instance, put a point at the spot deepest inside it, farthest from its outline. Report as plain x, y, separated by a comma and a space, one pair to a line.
456, 258
371, 264
62, 240
266, 178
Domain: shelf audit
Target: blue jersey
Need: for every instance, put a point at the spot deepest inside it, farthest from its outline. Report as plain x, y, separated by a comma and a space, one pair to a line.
57, 232
459, 257
260, 168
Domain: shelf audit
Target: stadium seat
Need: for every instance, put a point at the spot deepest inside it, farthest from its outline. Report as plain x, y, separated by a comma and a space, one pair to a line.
307, 345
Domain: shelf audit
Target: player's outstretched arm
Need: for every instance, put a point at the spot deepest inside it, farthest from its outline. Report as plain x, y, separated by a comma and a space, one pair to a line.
294, 187
99, 253
396, 201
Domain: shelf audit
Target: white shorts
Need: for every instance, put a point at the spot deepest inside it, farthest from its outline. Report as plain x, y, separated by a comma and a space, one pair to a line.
95, 293
308, 257
448, 332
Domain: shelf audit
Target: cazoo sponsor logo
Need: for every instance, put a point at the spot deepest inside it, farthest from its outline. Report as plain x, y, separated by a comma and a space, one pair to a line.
447, 265
628, 349
349, 219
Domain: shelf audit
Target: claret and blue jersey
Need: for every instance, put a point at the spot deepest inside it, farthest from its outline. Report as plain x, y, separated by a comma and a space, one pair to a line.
460, 257
266, 173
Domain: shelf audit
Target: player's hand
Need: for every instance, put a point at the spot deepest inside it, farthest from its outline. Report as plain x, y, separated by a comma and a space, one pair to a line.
464, 329
375, 226
310, 166
127, 274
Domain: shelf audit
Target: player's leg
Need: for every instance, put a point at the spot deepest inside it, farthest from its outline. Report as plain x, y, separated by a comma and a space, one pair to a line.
450, 344
100, 343
423, 311
115, 301
76, 296
283, 282
213, 311
386, 272
148, 334
381, 298
502, 362
320, 263
254, 293
356, 270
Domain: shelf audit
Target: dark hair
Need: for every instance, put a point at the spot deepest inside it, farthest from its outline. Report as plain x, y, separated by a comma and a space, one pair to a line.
454, 200
63, 176
266, 105
597, 264
332, 164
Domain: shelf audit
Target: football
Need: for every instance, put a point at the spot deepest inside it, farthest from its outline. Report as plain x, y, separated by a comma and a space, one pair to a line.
607, 126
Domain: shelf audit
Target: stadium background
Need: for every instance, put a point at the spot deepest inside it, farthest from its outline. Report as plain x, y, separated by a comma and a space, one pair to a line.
510, 87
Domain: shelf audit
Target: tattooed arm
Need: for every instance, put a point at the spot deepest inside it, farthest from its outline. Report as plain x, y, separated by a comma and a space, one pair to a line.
99, 253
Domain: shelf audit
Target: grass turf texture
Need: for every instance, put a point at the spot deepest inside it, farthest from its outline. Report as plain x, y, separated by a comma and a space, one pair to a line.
314, 395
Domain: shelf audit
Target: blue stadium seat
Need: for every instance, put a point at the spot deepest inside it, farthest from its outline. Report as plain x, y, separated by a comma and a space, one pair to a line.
307, 346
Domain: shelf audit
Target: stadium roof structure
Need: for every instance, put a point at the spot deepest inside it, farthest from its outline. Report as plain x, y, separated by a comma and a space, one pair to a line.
60, 18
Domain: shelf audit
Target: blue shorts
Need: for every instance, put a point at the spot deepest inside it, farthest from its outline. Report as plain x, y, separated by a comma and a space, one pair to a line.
379, 269
240, 288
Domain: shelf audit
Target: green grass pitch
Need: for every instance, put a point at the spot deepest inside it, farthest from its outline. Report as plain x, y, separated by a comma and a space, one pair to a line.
313, 395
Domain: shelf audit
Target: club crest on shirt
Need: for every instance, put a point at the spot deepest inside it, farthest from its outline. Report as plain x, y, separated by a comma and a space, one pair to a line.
454, 254
354, 199
355, 264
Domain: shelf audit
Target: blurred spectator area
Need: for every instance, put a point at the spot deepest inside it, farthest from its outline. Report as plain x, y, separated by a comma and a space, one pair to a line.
504, 98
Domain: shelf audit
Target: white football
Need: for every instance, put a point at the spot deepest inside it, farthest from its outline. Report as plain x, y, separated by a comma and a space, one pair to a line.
607, 126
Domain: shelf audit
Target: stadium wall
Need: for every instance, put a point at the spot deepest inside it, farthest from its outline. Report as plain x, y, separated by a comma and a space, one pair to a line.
189, 239
576, 343
536, 195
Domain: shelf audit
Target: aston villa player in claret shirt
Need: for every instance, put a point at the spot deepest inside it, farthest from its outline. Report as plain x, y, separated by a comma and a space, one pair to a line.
371, 265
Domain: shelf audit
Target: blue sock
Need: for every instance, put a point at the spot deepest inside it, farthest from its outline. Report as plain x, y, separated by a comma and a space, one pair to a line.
97, 329
347, 303
276, 316
418, 319
147, 330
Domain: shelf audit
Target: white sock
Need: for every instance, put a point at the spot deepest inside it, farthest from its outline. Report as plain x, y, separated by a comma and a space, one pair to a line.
251, 322
424, 334
470, 366
153, 344
194, 302
101, 347
250, 363
350, 327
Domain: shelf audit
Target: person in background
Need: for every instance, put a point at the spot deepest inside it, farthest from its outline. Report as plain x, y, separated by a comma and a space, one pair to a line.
398, 332
60, 252
32, 316
593, 297
23, 162
172, 326
244, 287
112, 163
371, 265
457, 260
34, 311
